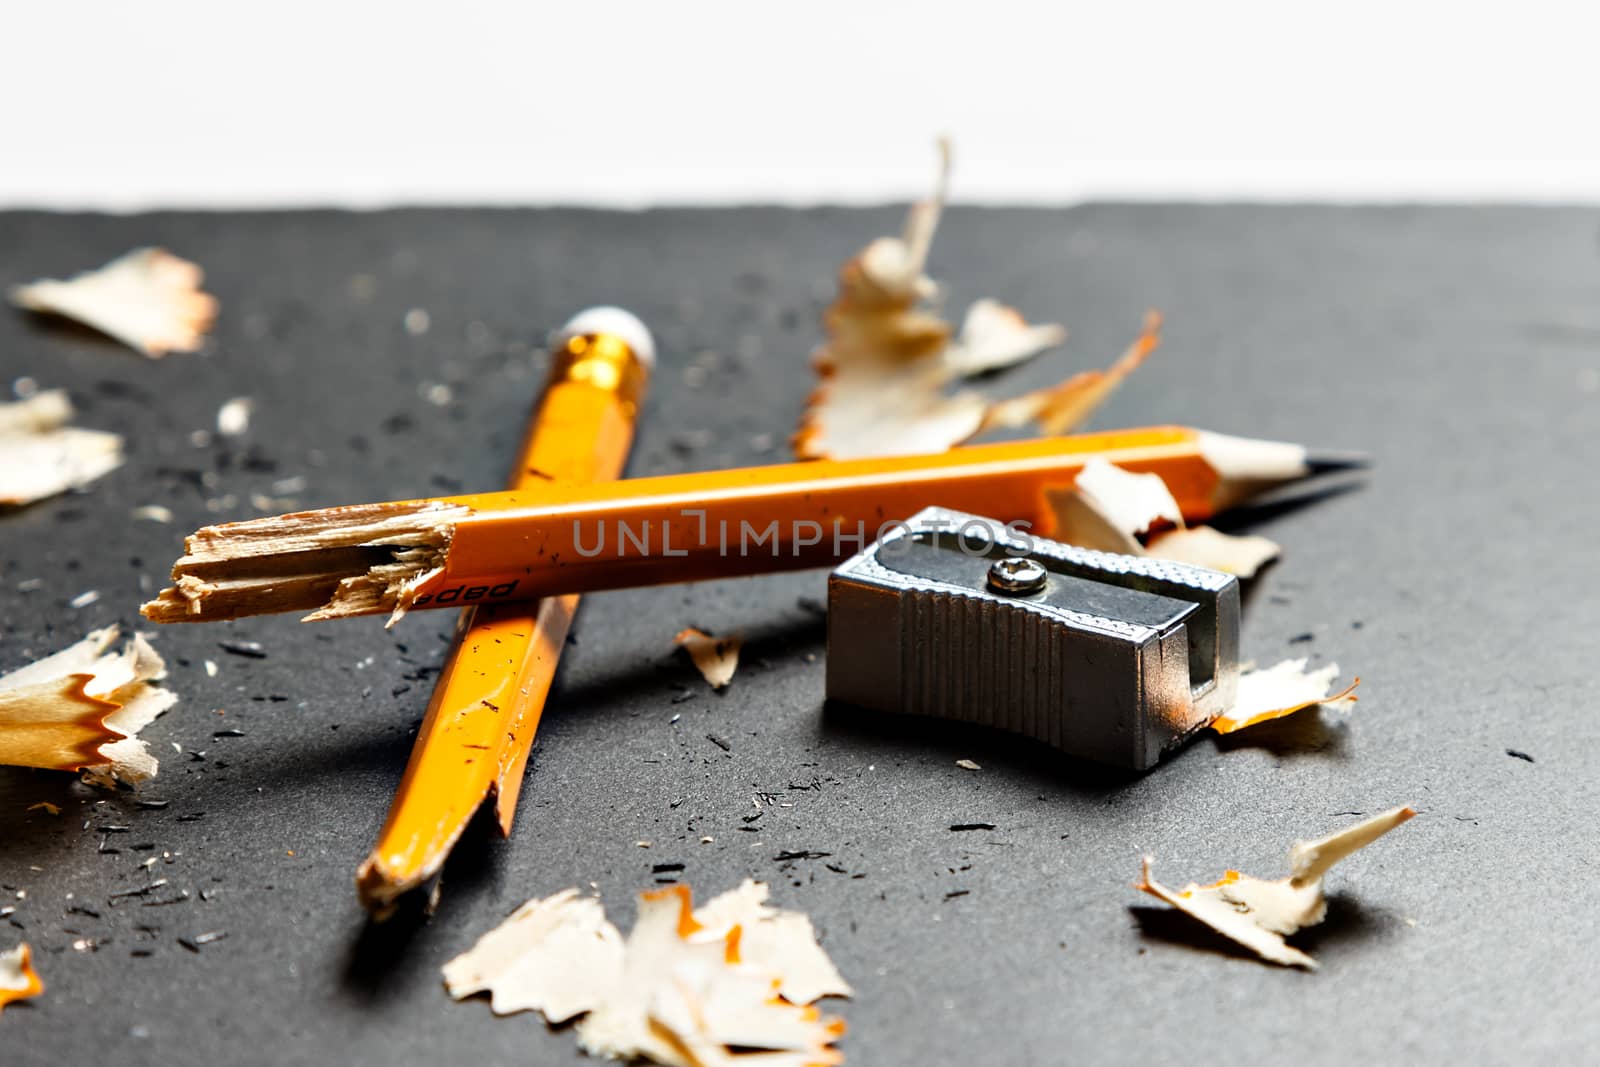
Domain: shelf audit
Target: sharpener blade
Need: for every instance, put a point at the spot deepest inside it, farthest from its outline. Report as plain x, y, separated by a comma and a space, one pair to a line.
1112, 658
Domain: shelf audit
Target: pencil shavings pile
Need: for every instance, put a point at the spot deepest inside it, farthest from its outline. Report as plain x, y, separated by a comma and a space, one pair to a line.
40, 455
149, 299
1109, 509
731, 982
890, 358
1259, 914
82, 708
18, 979
716, 658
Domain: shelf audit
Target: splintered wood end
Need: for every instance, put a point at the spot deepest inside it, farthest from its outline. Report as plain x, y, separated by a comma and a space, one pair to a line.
333, 563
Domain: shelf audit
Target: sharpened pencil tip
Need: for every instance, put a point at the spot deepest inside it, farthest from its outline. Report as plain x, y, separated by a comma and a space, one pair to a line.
1327, 462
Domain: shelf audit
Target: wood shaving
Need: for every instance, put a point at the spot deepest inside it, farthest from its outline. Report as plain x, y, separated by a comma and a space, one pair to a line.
40, 455
781, 941
1282, 690
717, 1016
715, 657
1260, 914
1066, 407
82, 708
1239, 554
890, 356
1110, 509
730, 983
18, 979
37, 413
994, 337
557, 956
148, 299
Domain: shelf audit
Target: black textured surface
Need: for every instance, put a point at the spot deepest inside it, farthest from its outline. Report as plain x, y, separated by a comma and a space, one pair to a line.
1459, 346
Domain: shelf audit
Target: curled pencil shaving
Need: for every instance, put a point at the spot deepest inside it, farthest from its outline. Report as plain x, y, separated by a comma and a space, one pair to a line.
1110, 509
1239, 554
337, 562
1260, 914
82, 708
891, 357
40, 455
1281, 690
728, 983
18, 979
716, 658
1065, 407
148, 299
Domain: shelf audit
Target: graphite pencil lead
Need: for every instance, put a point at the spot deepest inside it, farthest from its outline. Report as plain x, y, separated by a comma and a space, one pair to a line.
1328, 462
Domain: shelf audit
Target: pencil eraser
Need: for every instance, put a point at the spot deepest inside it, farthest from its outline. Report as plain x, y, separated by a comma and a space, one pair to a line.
618, 323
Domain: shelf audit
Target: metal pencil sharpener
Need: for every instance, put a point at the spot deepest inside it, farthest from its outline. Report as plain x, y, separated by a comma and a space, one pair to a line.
1112, 658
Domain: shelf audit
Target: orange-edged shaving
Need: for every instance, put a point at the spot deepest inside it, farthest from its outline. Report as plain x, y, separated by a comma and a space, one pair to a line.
80, 709
1283, 690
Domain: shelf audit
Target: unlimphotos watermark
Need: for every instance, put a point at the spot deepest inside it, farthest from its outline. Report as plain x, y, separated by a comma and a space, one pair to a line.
669, 537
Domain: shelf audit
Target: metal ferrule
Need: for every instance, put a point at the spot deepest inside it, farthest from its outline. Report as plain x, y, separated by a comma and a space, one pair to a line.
602, 361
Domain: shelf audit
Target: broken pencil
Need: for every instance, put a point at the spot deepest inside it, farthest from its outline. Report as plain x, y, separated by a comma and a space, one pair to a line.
556, 539
485, 708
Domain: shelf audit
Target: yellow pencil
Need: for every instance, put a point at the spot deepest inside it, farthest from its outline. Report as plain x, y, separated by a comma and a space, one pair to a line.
555, 539
486, 705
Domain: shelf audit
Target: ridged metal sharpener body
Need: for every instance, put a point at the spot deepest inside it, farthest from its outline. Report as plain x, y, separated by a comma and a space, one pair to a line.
1112, 658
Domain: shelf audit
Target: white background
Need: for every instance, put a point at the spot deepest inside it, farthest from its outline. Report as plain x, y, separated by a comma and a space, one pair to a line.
133, 105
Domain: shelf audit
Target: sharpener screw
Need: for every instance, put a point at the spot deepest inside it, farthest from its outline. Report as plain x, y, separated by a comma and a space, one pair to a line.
1015, 576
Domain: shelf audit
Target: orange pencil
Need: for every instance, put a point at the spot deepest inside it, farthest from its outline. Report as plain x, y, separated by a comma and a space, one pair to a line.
557, 539
486, 705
